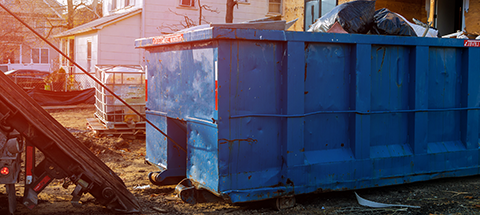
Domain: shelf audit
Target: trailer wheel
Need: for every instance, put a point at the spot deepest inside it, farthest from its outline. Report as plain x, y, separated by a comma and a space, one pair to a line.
286, 202
12, 198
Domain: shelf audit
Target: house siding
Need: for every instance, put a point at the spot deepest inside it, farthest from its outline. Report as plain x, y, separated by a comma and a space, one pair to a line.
81, 51
117, 42
120, 5
157, 13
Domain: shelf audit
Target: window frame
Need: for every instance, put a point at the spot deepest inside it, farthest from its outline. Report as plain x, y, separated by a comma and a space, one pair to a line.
129, 3
48, 55
192, 4
113, 5
281, 7
38, 52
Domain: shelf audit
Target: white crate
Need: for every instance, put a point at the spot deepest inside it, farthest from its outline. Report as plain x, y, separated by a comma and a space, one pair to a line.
127, 82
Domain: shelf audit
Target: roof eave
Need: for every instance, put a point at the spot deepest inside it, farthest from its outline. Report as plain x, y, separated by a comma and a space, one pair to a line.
100, 26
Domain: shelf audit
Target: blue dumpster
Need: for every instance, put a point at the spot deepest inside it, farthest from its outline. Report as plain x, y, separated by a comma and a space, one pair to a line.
264, 114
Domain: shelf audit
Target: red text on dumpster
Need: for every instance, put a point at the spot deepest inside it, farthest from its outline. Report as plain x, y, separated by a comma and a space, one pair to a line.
168, 39
471, 43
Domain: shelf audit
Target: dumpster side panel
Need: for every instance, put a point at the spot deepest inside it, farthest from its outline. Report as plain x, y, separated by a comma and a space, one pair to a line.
328, 87
182, 77
444, 92
250, 82
390, 91
203, 154
156, 143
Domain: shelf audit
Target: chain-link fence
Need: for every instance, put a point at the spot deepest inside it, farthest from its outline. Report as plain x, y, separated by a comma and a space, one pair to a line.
80, 81
54, 81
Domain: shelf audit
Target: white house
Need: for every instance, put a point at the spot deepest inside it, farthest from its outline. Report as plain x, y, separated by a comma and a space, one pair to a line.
20, 48
110, 39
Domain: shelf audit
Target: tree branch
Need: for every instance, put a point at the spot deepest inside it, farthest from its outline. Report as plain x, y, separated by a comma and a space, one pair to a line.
187, 22
75, 7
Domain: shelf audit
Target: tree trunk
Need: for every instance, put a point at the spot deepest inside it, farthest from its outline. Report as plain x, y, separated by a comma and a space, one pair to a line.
70, 14
200, 11
229, 16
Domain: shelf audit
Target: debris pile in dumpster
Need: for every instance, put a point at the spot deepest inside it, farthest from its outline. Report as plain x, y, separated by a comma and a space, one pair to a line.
360, 17
389, 23
354, 17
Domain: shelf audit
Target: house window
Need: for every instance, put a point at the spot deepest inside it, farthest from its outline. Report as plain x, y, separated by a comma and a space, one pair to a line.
315, 9
36, 55
26, 54
39, 55
44, 55
275, 6
89, 55
129, 2
113, 6
327, 6
187, 3
89, 50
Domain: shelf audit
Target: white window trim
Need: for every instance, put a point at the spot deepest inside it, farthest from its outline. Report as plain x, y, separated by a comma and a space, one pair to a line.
111, 5
131, 3
247, 2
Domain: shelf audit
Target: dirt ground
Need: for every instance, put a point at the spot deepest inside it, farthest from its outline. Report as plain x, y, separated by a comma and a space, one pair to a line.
127, 158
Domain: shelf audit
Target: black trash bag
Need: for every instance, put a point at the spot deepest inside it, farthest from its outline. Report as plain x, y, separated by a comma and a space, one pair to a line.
354, 17
389, 23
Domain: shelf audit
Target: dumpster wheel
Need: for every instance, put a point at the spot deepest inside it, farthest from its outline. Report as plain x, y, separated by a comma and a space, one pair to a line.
285, 202
157, 178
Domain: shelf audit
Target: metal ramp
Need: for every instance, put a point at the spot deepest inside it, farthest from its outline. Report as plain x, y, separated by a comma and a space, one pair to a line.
65, 156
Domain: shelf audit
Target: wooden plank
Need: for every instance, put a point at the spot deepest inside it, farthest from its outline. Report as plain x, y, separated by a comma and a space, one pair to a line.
100, 129
432, 11
95, 124
472, 25
67, 107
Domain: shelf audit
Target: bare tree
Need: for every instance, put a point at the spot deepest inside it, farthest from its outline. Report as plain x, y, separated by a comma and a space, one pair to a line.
82, 11
46, 17
186, 21
13, 34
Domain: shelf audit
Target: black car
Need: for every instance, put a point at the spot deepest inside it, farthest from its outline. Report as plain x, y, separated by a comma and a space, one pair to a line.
28, 78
